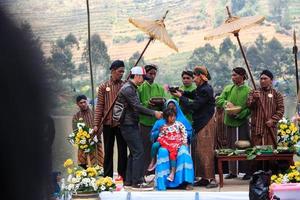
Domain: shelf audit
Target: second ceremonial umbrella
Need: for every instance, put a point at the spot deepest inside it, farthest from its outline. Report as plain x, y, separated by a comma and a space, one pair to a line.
233, 25
155, 29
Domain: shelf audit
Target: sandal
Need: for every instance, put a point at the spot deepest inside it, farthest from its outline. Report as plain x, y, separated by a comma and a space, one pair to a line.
212, 184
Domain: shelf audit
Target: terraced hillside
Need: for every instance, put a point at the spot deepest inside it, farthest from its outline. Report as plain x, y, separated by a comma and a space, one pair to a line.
187, 22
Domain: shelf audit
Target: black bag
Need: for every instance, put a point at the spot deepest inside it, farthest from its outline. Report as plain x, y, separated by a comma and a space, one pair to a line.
118, 112
259, 185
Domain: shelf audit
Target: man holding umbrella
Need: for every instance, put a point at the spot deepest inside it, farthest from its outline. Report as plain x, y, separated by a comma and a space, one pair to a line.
272, 102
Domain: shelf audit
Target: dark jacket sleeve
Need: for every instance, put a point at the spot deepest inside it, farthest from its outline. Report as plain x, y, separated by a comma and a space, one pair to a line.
200, 100
133, 101
189, 94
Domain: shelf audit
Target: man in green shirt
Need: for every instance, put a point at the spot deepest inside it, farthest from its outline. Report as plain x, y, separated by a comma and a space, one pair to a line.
188, 86
148, 90
237, 126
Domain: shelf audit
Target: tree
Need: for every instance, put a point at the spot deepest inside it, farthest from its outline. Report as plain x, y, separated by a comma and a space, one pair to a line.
61, 57
99, 56
132, 60
279, 12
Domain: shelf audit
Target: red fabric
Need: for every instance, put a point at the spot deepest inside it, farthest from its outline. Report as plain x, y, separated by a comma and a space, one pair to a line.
171, 138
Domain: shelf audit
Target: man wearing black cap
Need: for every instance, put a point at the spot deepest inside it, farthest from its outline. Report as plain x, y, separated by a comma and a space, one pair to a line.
273, 104
107, 92
87, 116
236, 125
147, 91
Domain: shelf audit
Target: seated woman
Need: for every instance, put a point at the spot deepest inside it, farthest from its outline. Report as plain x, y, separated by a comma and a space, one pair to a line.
184, 175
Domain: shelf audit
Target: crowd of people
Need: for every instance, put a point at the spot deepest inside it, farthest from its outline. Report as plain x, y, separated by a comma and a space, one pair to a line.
173, 132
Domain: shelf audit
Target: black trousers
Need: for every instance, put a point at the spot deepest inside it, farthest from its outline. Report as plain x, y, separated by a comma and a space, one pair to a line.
109, 135
135, 164
145, 133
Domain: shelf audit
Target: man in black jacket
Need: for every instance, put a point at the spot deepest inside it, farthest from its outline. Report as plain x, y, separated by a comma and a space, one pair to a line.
128, 96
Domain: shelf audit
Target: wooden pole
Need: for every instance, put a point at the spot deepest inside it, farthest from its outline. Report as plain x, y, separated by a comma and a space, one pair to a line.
114, 100
254, 86
89, 49
295, 51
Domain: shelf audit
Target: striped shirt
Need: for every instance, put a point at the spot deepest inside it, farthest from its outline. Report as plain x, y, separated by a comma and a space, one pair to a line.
96, 156
86, 115
274, 106
107, 92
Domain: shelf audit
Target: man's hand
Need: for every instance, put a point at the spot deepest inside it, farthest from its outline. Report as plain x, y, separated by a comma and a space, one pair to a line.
177, 93
270, 123
150, 103
229, 105
158, 114
256, 94
95, 129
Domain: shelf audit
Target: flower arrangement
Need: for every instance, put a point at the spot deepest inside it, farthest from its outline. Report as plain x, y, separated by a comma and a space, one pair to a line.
81, 138
287, 134
292, 175
88, 180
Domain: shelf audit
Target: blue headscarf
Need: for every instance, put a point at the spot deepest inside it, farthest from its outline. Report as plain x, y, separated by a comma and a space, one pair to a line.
179, 117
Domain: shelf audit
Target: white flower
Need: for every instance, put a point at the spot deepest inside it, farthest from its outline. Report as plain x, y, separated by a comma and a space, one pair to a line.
83, 141
70, 187
92, 143
91, 131
69, 178
87, 151
84, 173
72, 135
284, 120
74, 180
95, 139
102, 188
285, 179
80, 125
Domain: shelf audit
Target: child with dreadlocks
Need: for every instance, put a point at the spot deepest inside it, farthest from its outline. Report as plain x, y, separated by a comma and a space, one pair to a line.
172, 135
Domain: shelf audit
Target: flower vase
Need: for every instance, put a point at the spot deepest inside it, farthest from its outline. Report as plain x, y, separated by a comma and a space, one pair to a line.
88, 196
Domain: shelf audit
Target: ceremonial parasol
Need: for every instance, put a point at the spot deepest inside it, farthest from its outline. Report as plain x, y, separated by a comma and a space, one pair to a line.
233, 25
156, 30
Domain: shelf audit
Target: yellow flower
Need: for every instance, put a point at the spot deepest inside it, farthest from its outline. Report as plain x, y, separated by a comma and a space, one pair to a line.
281, 126
70, 171
273, 177
78, 173
68, 163
297, 163
292, 167
288, 131
109, 183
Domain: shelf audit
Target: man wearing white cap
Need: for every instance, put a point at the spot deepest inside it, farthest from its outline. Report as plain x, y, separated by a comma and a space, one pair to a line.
128, 96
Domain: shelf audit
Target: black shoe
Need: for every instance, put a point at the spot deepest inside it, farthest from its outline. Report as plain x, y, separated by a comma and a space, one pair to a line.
230, 176
246, 177
212, 184
201, 183
142, 187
